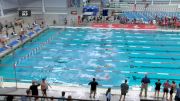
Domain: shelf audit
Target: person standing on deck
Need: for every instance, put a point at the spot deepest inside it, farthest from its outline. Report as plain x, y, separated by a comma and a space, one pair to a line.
124, 90
157, 88
166, 86
93, 87
34, 89
145, 81
177, 97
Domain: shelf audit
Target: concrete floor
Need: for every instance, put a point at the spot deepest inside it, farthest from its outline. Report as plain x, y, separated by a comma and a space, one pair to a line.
78, 92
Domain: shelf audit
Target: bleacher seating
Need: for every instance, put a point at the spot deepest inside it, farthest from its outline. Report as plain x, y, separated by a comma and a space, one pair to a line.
148, 16
145, 6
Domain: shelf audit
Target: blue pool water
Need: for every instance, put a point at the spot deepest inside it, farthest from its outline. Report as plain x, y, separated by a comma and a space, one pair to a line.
75, 56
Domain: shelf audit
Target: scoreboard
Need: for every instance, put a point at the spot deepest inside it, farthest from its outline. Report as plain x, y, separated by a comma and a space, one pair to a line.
24, 13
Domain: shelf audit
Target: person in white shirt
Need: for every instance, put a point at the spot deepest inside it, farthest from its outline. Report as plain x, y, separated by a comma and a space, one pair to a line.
108, 94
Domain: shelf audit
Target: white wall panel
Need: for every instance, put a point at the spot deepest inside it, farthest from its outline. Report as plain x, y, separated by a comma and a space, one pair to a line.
8, 4
30, 3
55, 3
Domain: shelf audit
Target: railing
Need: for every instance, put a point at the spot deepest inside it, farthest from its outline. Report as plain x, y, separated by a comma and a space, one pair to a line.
12, 97
151, 1
142, 7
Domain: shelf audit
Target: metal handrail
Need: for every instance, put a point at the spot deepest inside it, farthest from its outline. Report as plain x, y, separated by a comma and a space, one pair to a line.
43, 97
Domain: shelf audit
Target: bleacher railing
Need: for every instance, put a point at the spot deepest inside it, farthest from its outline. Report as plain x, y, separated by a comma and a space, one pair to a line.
149, 1
41, 98
141, 6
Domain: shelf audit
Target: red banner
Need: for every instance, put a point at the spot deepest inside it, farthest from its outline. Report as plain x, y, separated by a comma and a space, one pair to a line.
126, 26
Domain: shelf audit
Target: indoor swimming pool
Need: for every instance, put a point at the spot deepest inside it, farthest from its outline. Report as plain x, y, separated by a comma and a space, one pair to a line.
73, 56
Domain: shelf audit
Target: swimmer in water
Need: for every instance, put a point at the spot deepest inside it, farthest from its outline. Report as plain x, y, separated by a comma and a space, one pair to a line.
99, 66
134, 77
105, 77
131, 66
98, 77
108, 49
106, 66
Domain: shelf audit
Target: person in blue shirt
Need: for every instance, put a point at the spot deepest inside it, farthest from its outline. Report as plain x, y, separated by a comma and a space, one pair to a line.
144, 86
177, 97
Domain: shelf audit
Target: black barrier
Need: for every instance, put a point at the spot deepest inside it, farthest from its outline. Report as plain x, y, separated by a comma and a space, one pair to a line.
9, 97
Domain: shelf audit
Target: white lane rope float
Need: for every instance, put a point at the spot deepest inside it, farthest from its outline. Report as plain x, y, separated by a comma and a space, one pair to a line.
35, 50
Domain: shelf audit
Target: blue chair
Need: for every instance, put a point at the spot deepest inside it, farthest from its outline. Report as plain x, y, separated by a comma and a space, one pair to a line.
24, 37
37, 30
30, 33
3, 49
13, 43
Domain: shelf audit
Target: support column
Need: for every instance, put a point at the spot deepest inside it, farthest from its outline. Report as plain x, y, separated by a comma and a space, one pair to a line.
169, 2
152, 2
134, 1
2, 12
43, 6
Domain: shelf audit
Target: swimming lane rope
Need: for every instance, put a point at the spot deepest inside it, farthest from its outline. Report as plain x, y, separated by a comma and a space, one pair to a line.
35, 50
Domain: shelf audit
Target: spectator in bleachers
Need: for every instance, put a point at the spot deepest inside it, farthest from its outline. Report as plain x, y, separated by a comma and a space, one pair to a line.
4, 42
144, 86
93, 87
42, 24
6, 26
9, 98
62, 97
21, 37
157, 88
29, 27
173, 88
26, 98
7, 34
177, 97
52, 98
108, 94
1, 26
22, 33
54, 22
166, 86
34, 89
65, 21
13, 32
124, 90
28, 92
34, 23
69, 98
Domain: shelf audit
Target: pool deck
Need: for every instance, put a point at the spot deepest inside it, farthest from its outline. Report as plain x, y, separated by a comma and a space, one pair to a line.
27, 38
78, 92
